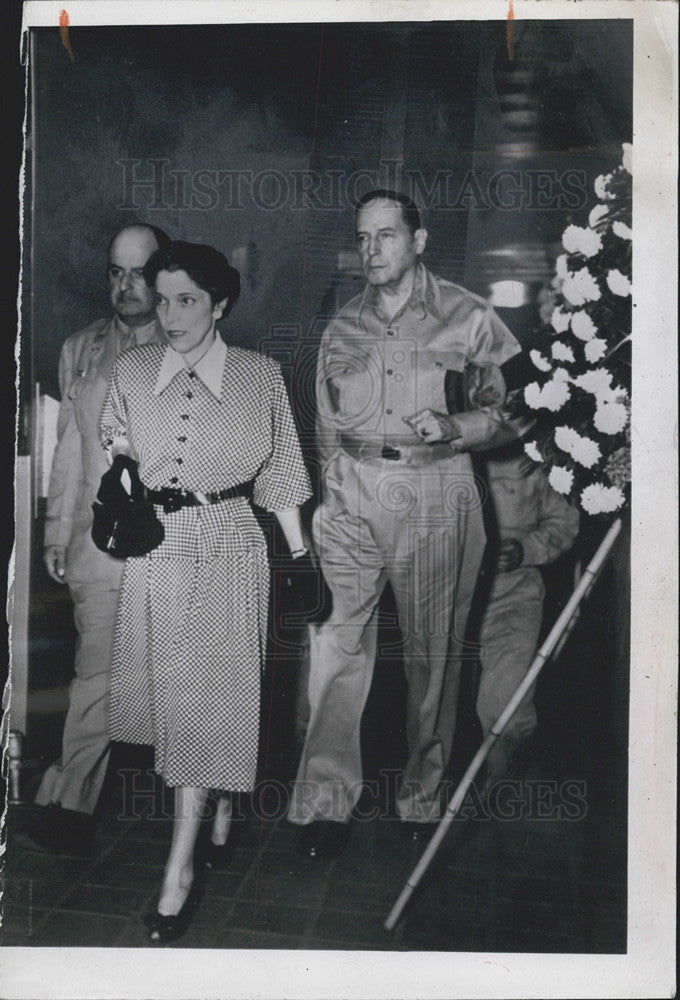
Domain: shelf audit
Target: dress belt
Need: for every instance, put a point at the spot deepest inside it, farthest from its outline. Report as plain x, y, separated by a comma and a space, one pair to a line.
172, 499
411, 454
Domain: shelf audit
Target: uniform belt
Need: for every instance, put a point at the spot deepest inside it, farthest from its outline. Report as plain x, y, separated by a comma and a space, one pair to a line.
411, 454
172, 499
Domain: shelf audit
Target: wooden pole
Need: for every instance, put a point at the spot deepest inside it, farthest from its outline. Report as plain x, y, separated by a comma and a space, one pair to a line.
562, 624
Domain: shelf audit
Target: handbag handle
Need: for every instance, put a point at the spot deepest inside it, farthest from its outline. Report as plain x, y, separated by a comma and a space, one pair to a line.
121, 462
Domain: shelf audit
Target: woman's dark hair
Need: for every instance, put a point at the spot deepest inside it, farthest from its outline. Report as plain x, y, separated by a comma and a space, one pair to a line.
207, 268
409, 209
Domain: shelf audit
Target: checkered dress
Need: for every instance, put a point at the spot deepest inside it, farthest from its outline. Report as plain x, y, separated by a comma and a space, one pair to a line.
191, 625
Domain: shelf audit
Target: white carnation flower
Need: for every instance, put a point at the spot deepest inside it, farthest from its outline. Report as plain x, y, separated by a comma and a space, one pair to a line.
562, 352
572, 292
586, 451
582, 325
560, 320
618, 283
627, 162
581, 287
622, 230
598, 381
532, 451
610, 418
591, 243
561, 479
597, 214
587, 285
575, 239
532, 395
582, 449
595, 350
570, 239
562, 375
565, 439
540, 361
561, 268
600, 186
554, 394
599, 499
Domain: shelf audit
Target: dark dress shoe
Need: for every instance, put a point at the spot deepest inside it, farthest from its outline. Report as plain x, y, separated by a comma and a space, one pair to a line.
164, 929
59, 831
323, 840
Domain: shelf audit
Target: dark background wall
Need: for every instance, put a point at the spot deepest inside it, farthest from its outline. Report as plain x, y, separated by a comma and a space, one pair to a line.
343, 107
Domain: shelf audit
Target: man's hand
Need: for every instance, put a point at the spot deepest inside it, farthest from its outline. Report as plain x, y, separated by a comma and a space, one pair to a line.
433, 427
54, 557
510, 555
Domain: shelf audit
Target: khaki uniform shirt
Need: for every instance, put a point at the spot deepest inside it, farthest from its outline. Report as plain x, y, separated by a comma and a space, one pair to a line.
79, 461
374, 370
527, 508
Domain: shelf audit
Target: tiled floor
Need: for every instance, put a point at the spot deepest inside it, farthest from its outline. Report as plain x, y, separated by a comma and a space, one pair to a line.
533, 881
523, 884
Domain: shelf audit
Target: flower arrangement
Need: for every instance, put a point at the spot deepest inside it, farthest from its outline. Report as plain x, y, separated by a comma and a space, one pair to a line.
579, 402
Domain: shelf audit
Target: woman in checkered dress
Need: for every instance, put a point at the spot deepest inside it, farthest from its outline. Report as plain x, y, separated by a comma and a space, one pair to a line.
207, 423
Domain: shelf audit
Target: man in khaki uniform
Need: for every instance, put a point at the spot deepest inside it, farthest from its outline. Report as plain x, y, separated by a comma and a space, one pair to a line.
399, 504
534, 525
70, 787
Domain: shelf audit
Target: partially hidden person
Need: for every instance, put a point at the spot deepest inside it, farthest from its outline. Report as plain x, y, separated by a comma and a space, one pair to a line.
71, 787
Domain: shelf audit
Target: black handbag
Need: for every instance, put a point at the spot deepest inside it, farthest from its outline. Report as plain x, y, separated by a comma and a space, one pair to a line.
124, 524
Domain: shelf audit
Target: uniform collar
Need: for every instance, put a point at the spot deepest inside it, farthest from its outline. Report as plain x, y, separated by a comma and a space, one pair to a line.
209, 369
424, 297
137, 334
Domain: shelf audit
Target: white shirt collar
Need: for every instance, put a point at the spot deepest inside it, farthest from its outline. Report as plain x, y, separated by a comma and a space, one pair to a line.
209, 369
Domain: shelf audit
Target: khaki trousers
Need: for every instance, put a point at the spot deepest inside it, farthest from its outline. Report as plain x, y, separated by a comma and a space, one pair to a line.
419, 527
75, 780
508, 638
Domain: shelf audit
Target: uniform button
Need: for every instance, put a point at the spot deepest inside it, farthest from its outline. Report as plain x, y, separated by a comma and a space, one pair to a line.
438, 364
179, 461
192, 374
190, 395
390, 333
182, 437
184, 416
174, 479
388, 411
390, 372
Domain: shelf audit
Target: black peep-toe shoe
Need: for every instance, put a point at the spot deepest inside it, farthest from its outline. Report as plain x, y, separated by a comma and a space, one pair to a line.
164, 929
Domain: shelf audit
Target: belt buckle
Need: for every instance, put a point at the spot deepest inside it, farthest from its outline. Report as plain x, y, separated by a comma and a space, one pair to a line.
174, 501
390, 453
